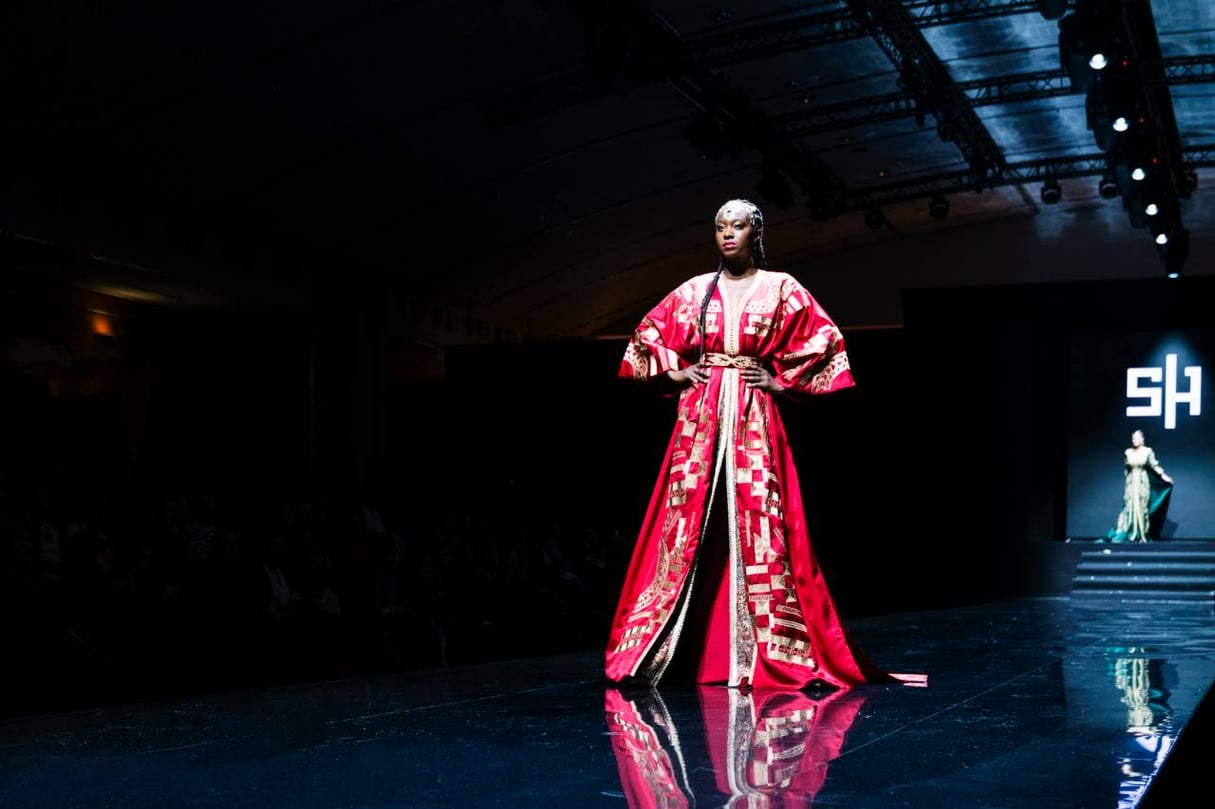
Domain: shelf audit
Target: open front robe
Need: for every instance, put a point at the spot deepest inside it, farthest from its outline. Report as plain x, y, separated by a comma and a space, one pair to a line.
1145, 498
729, 451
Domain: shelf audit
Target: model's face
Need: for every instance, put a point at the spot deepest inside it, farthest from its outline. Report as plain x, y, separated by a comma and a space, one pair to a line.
1136, 439
734, 234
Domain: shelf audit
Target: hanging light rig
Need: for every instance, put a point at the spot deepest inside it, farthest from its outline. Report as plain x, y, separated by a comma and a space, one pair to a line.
1109, 51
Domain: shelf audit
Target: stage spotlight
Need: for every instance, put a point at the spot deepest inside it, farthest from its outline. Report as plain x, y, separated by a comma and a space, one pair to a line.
938, 208
1051, 190
1155, 197
1175, 252
1073, 56
1097, 43
1107, 188
1139, 145
1100, 27
1164, 229
875, 219
1112, 106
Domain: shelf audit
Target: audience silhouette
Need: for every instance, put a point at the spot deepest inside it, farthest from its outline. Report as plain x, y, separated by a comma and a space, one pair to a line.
177, 593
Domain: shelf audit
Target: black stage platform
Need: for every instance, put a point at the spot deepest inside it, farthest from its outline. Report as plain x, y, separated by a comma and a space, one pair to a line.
1033, 703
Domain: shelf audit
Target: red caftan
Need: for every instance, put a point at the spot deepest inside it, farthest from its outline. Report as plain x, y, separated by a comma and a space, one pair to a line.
763, 748
723, 577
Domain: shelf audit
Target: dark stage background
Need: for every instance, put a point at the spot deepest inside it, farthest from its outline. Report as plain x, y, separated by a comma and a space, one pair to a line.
427, 508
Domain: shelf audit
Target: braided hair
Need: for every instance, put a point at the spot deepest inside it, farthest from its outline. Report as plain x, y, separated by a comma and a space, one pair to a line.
756, 218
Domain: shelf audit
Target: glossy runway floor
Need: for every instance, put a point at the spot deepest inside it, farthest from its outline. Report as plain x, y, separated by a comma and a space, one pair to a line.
1029, 703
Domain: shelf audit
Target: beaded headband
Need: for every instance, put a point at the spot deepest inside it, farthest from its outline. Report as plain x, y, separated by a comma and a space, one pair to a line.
755, 216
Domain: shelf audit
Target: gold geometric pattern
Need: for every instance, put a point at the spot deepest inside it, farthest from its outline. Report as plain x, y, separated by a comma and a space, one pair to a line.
722, 457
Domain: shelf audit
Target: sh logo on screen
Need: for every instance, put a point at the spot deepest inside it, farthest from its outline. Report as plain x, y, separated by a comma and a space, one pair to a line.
1145, 383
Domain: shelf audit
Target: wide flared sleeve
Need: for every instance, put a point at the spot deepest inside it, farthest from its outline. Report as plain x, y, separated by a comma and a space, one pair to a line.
668, 336
810, 355
1154, 464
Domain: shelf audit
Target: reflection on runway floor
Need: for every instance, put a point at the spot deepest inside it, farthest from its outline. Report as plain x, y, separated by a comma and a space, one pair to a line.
1029, 703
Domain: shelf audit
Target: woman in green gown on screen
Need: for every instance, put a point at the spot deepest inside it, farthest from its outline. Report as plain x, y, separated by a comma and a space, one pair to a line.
1145, 493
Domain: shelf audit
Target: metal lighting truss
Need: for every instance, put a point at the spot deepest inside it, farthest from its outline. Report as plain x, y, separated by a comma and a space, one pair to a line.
648, 50
1024, 172
778, 33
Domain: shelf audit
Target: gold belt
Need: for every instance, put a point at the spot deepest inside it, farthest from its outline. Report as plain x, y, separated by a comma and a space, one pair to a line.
729, 361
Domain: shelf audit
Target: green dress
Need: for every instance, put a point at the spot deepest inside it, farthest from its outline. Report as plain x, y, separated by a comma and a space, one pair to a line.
1144, 498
